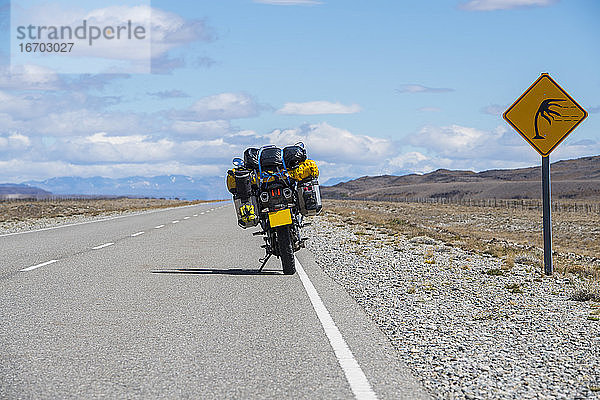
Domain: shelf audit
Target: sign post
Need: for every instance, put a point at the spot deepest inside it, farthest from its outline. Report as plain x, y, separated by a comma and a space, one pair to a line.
544, 116
546, 200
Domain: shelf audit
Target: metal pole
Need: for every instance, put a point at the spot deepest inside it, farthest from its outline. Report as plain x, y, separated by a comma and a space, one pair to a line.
547, 216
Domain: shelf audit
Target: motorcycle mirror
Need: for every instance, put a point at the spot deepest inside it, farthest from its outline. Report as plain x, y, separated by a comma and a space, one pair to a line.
238, 162
300, 144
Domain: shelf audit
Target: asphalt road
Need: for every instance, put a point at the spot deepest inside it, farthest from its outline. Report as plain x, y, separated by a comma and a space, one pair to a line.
147, 307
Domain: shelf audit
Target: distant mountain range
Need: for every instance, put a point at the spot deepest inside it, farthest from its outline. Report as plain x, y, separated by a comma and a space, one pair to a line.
571, 179
167, 186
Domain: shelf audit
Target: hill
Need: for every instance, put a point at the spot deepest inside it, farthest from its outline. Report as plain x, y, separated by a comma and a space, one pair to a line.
14, 191
571, 179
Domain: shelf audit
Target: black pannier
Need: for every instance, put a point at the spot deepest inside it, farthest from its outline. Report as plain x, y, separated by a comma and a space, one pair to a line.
270, 157
251, 158
293, 156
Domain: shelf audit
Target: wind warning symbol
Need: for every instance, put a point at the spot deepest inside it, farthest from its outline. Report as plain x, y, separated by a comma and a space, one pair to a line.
544, 115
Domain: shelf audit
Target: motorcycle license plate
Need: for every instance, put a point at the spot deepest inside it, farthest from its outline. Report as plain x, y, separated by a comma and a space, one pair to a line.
279, 218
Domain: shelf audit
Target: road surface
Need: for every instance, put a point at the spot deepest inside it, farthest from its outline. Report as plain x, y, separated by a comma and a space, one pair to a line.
167, 304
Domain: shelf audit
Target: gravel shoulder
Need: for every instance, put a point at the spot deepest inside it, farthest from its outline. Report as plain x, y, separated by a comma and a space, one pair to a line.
467, 326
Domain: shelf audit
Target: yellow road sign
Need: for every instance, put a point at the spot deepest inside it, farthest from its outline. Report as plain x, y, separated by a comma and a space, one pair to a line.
544, 115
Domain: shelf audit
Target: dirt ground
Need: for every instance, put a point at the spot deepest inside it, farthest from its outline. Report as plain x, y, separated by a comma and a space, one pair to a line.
12, 211
511, 234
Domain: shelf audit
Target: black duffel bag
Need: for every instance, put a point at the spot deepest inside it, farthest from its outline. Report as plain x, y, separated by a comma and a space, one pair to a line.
293, 156
271, 157
251, 158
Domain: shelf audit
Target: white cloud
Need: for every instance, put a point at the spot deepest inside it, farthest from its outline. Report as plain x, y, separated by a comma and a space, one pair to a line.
492, 5
289, 2
14, 142
225, 106
318, 107
326, 142
29, 77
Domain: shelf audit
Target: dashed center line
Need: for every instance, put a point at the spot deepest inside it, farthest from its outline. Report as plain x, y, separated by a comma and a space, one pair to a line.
186, 217
137, 234
158, 227
38, 265
201, 213
102, 246
174, 222
195, 215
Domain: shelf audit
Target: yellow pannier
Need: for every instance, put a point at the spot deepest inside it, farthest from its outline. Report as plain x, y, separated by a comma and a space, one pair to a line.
306, 169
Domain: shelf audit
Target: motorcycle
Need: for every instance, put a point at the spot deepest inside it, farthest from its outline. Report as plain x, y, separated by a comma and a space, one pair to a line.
277, 195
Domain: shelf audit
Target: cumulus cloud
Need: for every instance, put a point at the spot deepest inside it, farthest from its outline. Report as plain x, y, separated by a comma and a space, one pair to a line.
493, 5
289, 2
318, 107
349, 147
416, 88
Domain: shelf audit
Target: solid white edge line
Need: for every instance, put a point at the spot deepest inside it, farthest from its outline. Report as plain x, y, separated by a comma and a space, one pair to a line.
102, 246
354, 374
39, 265
137, 234
99, 220
159, 226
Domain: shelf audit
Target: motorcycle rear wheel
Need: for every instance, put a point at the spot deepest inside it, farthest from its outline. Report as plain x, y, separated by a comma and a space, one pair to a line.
284, 243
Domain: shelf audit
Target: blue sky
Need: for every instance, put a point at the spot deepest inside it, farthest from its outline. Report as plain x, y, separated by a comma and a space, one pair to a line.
371, 88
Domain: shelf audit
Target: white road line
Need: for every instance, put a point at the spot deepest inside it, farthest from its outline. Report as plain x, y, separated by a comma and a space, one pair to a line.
354, 374
201, 213
39, 265
174, 222
137, 234
102, 246
97, 220
186, 217
195, 215
159, 226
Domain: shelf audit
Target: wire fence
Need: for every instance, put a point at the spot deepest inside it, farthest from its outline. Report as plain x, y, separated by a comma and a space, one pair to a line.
577, 206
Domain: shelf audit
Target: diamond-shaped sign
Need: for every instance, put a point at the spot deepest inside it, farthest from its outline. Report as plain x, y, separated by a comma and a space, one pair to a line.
545, 114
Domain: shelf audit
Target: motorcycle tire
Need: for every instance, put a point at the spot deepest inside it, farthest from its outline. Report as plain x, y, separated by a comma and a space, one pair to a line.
284, 243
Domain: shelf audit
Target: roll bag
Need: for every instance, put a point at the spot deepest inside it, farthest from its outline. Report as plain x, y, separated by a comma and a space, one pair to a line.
251, 158
309, 196
231, 179
293, 156
307, 169
271, 157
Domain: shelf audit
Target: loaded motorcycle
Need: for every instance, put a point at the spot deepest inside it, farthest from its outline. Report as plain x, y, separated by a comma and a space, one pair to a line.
276, 188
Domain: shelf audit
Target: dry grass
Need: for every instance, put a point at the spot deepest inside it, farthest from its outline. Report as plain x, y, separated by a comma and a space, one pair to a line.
513, 235
31, 210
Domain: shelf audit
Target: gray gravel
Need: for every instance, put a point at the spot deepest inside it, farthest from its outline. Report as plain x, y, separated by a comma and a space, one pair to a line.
468, 327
